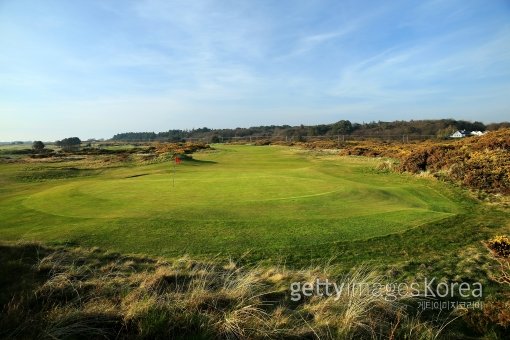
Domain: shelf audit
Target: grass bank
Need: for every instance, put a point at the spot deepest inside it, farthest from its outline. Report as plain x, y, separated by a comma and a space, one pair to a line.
88, 293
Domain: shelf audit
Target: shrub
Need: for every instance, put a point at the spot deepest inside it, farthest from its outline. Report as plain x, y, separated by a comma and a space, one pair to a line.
38, 145
501, 245
478, 163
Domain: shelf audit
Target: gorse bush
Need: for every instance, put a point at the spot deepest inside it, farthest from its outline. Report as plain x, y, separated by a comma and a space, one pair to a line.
481, 163
179, 148
501, 245
478, 163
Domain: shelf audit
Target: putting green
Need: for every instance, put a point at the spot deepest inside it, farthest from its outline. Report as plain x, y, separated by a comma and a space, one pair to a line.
230, 200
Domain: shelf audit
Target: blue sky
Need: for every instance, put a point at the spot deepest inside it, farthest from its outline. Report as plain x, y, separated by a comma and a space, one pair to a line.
93, 68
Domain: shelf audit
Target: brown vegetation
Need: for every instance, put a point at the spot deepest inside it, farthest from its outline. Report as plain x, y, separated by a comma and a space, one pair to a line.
479, 163
78, 293
179, 148
500, 245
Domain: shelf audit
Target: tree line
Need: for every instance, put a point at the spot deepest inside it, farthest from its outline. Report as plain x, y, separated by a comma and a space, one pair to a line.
431, 128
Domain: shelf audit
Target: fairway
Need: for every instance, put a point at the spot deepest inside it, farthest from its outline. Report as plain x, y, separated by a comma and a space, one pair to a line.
229, 200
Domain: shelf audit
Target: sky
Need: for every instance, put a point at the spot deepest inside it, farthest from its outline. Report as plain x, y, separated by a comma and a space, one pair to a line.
93, 68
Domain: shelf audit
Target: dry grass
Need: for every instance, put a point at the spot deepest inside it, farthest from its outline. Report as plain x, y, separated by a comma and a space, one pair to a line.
92, 294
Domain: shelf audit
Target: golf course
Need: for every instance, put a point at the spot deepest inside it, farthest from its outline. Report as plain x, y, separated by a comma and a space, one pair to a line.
228, 200
160, 240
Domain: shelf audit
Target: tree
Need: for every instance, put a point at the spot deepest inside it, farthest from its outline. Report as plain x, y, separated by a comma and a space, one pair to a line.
446, 132
69, 144
38, 146
342, 127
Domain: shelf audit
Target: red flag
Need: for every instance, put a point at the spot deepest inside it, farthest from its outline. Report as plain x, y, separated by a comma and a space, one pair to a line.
177, 160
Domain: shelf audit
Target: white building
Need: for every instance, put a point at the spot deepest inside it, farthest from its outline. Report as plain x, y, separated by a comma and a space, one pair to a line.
464, 133
459, 134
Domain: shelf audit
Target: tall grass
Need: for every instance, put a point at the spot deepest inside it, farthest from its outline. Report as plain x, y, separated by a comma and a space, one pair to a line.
92, 294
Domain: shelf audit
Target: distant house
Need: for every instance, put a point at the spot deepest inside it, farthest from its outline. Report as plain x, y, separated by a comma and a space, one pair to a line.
460, 134
464, 133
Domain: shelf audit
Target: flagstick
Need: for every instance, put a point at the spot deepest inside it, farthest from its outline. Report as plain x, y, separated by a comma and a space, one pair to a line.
173, 178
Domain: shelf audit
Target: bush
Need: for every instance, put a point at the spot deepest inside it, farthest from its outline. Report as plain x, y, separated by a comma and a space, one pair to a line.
38, 145
478, 163
501, 245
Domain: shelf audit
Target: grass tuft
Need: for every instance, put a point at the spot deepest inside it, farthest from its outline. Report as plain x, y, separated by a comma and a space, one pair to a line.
82, 293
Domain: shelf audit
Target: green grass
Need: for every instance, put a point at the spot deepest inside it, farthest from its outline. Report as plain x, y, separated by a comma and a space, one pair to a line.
267, 201
6, 148
12, 147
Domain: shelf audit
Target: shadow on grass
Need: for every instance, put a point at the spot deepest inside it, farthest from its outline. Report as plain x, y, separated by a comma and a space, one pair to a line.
139, 175
192, 161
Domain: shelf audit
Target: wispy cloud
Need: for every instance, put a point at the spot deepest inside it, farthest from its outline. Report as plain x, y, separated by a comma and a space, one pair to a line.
312, 41
423, 71
345, 28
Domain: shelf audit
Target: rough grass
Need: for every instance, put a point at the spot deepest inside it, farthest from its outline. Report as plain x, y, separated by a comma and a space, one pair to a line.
88, 293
